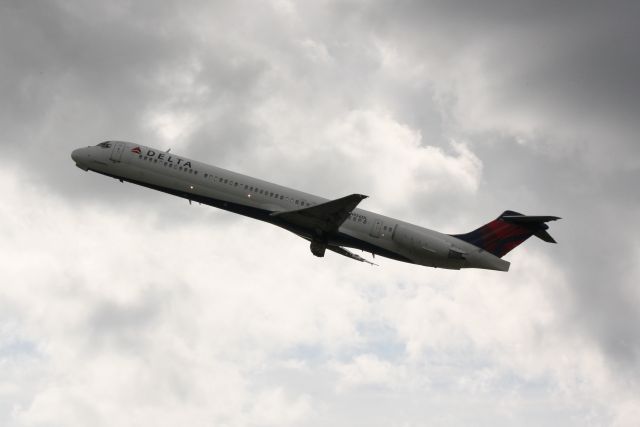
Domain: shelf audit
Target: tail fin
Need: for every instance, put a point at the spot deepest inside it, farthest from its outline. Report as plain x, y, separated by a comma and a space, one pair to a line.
506, 232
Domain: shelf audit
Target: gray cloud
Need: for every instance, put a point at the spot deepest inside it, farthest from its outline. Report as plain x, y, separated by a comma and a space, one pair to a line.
569, 67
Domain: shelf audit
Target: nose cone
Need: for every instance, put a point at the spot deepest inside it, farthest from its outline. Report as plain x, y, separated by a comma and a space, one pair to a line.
79, 157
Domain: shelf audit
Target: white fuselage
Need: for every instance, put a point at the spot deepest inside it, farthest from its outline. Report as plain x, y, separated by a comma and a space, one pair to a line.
258, 199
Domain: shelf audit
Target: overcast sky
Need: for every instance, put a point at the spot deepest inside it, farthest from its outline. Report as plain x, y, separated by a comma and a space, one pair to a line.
123, 306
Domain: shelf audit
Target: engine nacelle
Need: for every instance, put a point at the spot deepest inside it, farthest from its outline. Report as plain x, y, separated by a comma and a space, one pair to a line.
415, 240
427, 249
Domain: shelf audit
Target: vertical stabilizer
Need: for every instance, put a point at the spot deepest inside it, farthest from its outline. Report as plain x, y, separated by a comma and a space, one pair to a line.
507, 231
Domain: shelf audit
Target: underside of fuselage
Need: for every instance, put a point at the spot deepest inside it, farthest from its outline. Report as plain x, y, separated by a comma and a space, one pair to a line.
335, 239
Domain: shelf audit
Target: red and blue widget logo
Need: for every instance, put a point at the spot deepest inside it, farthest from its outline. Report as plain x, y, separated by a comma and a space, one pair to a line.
136, 150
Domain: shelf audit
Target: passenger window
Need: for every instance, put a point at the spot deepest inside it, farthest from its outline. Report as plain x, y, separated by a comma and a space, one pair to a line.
205, 175
281, 197
195, 172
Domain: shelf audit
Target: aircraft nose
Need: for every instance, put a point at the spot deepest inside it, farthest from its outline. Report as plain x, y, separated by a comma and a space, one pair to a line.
78, 156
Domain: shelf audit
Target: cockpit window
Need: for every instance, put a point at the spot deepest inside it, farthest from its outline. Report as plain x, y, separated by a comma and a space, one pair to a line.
105, 144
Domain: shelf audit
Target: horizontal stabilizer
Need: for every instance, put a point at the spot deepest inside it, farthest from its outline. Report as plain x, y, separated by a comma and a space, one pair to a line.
542, 234
534, 223
509, 230
528, 219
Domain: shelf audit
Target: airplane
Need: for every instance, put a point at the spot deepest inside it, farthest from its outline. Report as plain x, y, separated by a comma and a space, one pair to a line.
332, 225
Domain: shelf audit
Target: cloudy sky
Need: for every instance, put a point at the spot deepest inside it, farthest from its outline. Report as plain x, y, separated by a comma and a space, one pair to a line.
123, 306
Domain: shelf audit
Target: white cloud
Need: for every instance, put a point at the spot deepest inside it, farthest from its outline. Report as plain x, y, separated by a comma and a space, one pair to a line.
184, 322
368, 152
273, 408
369, 370
129, 316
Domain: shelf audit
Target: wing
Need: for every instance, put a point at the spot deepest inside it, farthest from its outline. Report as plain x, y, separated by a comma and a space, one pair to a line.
342, 251
326, 217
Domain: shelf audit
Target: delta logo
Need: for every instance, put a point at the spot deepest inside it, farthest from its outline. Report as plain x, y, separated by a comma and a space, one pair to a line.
164, 157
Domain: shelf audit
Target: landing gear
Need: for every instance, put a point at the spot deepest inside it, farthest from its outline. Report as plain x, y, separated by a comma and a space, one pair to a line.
318, 248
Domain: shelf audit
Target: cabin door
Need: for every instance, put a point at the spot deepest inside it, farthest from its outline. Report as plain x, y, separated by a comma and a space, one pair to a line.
375, 228
116, 153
